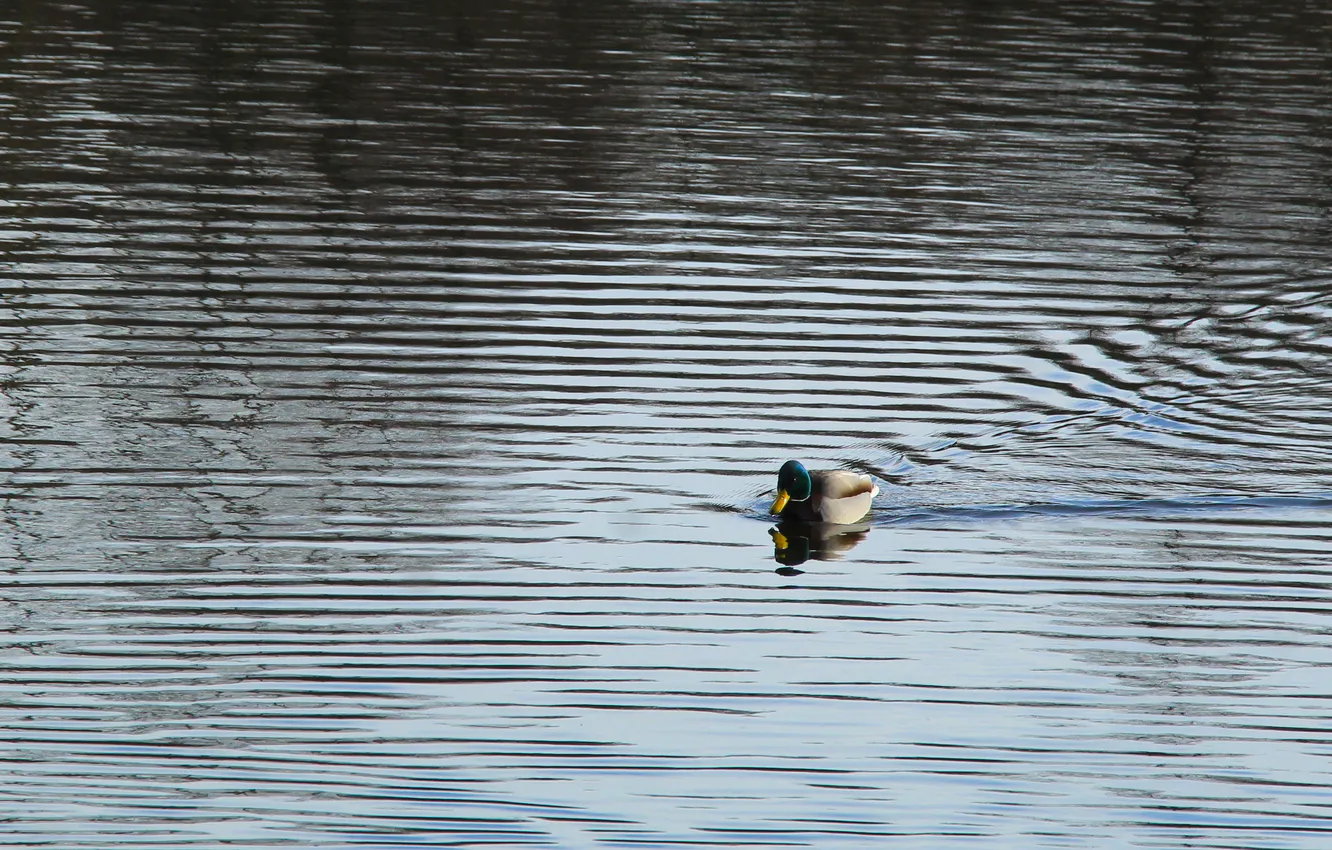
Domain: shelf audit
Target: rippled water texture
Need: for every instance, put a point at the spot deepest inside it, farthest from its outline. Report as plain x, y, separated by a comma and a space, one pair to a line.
393, 396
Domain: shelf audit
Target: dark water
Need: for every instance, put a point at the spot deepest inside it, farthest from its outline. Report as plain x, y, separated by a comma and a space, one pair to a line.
392, 394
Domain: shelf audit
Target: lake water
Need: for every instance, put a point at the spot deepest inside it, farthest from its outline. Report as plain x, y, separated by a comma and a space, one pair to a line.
393, 396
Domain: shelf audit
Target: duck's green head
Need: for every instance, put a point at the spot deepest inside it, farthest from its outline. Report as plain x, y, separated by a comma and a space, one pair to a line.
793, 485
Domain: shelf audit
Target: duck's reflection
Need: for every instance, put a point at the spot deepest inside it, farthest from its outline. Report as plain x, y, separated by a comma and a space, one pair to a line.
794, 543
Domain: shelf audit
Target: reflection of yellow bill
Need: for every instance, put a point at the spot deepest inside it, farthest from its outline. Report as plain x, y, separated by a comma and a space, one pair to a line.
779, 540
782, 498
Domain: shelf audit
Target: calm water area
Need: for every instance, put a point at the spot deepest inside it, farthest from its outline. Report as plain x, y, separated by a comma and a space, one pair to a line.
392, 395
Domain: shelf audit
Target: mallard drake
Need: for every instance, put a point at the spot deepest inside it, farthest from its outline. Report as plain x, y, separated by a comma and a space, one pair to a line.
824, 495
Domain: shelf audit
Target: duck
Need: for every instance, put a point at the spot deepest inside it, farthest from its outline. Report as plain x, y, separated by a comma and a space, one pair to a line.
836, 496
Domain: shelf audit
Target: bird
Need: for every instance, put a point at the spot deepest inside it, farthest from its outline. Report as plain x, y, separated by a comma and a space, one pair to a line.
824, 495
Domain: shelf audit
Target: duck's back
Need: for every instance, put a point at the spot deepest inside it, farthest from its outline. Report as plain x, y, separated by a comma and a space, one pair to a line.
842, 496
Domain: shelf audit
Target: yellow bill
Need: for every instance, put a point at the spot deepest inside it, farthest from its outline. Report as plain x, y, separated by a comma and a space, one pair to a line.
782, 498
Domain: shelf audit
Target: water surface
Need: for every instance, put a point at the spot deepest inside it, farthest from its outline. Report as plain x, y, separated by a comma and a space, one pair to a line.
391, 398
